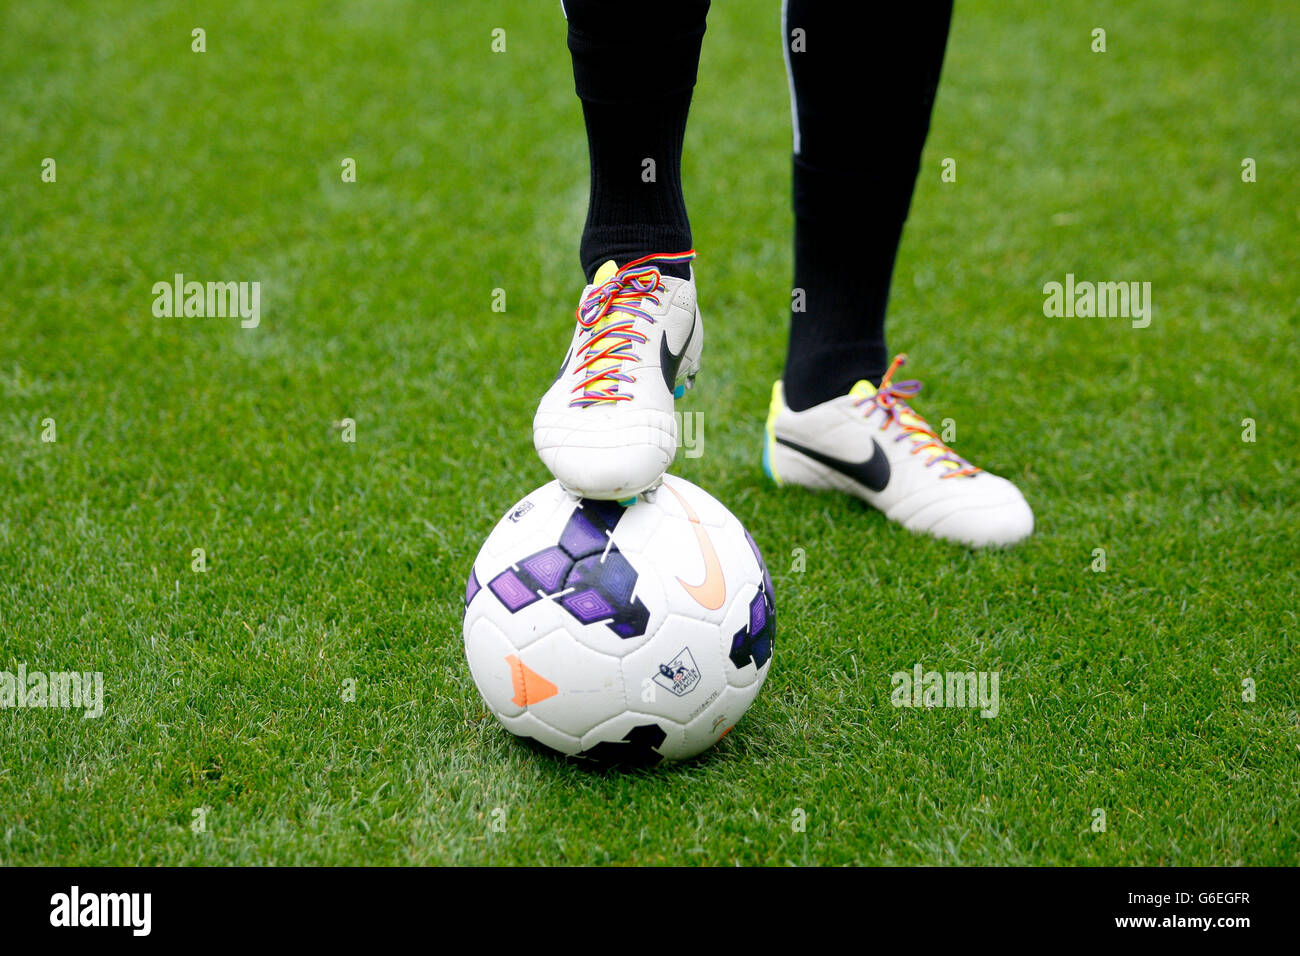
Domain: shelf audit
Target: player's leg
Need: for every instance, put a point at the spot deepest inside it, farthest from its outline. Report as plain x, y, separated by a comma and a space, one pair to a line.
863, 81
605, 427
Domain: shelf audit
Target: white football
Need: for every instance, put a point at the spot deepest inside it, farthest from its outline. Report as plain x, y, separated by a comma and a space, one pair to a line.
625, 634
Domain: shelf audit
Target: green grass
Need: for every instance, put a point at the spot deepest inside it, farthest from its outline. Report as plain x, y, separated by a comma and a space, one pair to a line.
328, 561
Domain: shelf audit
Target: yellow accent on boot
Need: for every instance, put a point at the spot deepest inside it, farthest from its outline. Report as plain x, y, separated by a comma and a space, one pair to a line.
769, 440
603, 275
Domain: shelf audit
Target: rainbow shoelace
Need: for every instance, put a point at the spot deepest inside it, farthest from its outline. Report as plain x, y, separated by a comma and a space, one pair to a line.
613, 338
892, 398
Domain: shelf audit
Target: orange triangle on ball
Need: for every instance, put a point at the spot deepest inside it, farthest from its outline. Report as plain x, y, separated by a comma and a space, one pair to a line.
530, 686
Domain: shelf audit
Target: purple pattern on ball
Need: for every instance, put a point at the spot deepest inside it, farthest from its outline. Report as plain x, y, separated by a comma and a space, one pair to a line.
548, 568
472, 587
512, 592
757, 613
762, 565
581, 537
753, 643
585, 574
587, 606
619, 577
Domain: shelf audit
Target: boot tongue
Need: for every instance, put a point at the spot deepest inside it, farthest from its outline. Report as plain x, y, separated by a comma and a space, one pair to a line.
615, 315
605, 273
865, 390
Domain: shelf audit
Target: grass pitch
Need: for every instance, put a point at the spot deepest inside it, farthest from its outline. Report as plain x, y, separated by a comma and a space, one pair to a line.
329, 562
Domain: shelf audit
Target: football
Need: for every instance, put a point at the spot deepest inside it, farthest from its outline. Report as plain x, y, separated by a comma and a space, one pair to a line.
627, 634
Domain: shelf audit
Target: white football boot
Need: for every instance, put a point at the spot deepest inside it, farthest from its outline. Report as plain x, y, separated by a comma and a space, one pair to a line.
605, 428
871, 444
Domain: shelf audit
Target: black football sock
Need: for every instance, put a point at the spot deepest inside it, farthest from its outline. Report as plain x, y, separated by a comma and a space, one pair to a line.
627, 216
864, 83
634, 74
